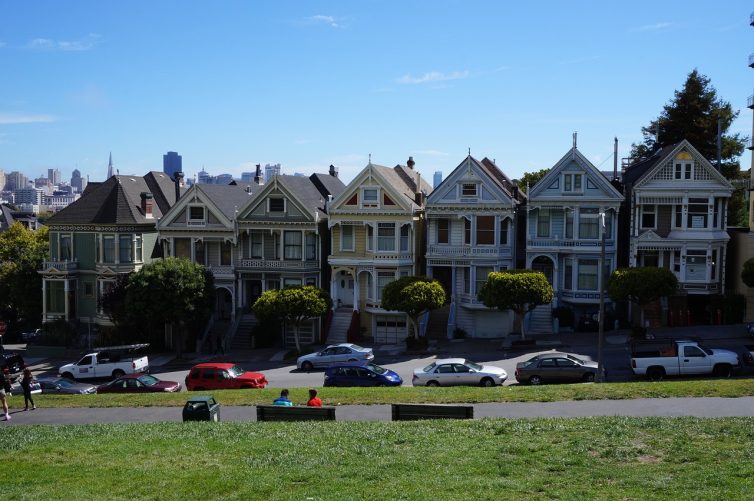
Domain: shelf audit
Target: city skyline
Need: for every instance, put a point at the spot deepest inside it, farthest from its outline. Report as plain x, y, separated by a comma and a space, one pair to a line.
325, 83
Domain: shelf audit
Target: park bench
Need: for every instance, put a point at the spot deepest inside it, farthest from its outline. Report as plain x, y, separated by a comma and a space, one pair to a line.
405, 412
281, 413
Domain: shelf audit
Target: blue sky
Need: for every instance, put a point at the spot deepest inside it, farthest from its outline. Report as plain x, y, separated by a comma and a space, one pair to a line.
231, 84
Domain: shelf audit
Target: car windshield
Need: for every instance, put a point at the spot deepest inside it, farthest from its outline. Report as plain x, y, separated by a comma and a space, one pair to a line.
376, 369
235, 371
430, 367
469, 363
65, 383
529, 362
706, 350
148, 380
356, 347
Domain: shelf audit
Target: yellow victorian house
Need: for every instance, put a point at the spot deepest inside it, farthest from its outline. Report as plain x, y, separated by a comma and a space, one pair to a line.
377, 232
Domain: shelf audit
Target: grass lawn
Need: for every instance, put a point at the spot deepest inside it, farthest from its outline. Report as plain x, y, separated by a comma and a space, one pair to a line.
580, 459
408, 394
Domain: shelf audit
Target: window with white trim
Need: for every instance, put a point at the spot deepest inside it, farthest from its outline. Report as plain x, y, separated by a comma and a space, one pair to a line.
108, 248
370, 238
226, 249
443, 231
481, 277
196, 214
466, 280
684, 169
466, 231
485, 230
291, 282
504, 232
648, 216
311, 246
588, 274
370, 197
346, 237
697, 213
65, 243
292, 245
469, 190
405, 232
543, 223
572, 183
386, 236
275, 205
139, 249
125, 248
256, 244
568, 275
568, 223
589, 224
383, 278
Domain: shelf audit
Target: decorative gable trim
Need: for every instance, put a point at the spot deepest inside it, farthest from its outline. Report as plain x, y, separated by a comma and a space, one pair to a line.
274, 190
592, 174
469, 183
664, 169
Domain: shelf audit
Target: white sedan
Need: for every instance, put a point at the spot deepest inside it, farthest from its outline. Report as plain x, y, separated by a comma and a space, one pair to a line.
458, 371
344, 352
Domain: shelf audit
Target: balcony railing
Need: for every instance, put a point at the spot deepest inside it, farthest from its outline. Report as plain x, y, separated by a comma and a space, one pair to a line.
279, 264
561, 242
468, 251
61, 265
221, 271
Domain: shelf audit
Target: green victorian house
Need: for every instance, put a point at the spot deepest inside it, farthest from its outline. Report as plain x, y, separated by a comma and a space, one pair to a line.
110, 230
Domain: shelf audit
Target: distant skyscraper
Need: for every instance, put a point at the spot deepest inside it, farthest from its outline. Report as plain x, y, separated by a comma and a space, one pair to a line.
54, 176
437, 179
2, 180
15, 181
76, 181
247, 177
110, 166
271, 170
223, 179
204, 177
172, 163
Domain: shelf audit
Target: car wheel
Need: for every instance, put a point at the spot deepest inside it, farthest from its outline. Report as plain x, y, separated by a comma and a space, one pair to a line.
535, 380
588, 377
487, 382
307, 366
67, 375
118, 373
655, 373
434, 384
722, 370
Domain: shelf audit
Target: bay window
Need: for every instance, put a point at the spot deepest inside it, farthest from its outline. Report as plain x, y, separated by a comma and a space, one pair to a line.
346, 237
485, 230
589, 226
385, 236
292, 245
588, 274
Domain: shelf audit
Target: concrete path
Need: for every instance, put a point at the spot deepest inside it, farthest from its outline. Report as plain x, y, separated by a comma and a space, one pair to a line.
708, 407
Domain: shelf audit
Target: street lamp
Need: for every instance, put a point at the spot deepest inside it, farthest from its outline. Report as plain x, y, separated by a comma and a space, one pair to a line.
601, 282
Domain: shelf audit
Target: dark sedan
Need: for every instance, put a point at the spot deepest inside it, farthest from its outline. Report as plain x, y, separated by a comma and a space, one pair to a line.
556, 368
64, 386
138, 383
361, 375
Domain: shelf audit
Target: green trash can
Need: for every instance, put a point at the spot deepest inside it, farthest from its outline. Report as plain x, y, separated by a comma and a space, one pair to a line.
201, 409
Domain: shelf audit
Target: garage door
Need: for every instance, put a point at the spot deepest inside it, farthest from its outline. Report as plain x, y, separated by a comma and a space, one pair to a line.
390, 329
490, 324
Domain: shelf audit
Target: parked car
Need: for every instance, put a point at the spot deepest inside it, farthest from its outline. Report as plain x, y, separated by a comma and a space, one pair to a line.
113, 361
138, 383
222, 376
12, 361
457, 371
658, 359
556, 367
31, 335
63, 386
334, 354
360, 374
15, 388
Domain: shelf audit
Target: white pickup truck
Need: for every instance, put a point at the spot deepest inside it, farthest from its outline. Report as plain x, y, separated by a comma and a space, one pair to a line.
113, 361
677, 358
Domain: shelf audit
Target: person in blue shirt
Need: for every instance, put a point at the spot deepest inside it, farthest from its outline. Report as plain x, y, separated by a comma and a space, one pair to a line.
283, 399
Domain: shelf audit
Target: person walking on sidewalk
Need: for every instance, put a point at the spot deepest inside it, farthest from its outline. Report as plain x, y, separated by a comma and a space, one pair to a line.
4, 391
26, 382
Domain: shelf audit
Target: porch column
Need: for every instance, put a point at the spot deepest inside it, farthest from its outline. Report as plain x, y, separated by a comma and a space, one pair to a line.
44, 300
303, 245
333, 291
356, 291
239, 294
282, 246
66, 289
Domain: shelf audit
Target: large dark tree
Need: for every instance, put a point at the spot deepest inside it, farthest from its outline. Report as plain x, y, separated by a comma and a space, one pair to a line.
22, 252
692, 114
641, 285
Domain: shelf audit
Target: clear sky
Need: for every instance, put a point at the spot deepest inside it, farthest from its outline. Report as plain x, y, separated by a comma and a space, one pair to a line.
230, 84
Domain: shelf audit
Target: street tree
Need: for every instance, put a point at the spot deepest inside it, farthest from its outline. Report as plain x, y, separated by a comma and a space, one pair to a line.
414, 296
747, 273
641, 286
692, 115
529, 179
293, 305
22, 254
173, 292
517, 290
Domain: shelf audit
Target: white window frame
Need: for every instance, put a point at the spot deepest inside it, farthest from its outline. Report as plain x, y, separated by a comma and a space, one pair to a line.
382, 281
369, 204
480, 276
370, 237
405, 240
343, 236
569, 182
61, 237
549, 223
196, 221
590, 213
386, 238
269, 205
643, 211
463, 188
596, 265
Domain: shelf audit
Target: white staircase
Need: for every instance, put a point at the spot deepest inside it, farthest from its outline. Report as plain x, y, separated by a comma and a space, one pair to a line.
341, 320
540, 320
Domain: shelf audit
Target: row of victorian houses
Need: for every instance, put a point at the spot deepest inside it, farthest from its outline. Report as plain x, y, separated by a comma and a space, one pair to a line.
666, 211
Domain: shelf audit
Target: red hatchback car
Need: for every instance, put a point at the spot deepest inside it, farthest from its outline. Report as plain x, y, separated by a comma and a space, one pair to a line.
219, 376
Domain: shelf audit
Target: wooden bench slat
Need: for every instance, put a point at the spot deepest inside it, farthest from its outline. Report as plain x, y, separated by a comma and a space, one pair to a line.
281, 413
404, 412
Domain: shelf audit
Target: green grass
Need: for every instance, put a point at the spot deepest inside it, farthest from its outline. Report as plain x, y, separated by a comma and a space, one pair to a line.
342, 396
592, 458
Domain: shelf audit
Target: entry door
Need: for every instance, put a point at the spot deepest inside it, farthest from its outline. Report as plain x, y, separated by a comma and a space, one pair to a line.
345, 289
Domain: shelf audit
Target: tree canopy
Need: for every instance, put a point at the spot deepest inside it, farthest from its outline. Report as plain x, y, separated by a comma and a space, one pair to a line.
747, 273
172, 291
517, 290
692, 115
529, 179
414, 296
641, 285
293, 305
22, 253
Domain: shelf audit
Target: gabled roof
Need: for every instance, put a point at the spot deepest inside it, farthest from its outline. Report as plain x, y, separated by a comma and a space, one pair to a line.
118, 201
488, 170
637, 170
306, 190
574, 155
503, 181
228, 198
403, 180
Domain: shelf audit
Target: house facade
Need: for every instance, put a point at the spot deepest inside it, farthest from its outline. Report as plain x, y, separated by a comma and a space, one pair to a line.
566, 209
377, 228
109, 231
471, 220
677, 220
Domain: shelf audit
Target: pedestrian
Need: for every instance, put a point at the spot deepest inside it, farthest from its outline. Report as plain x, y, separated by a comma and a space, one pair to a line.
314, 400
26, 382
4, 392
283, 399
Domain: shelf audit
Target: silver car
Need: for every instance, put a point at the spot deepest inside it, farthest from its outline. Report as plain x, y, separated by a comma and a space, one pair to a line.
458, 371
344, 352
64, 386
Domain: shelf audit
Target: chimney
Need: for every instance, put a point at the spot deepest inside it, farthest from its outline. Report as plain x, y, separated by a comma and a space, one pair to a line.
333, 171
615, 159
146, 204
258, 175
410, 162
418, 190
178, 180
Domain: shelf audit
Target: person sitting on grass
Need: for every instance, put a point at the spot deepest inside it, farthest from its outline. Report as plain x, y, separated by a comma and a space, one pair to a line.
314, 400
283, 399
